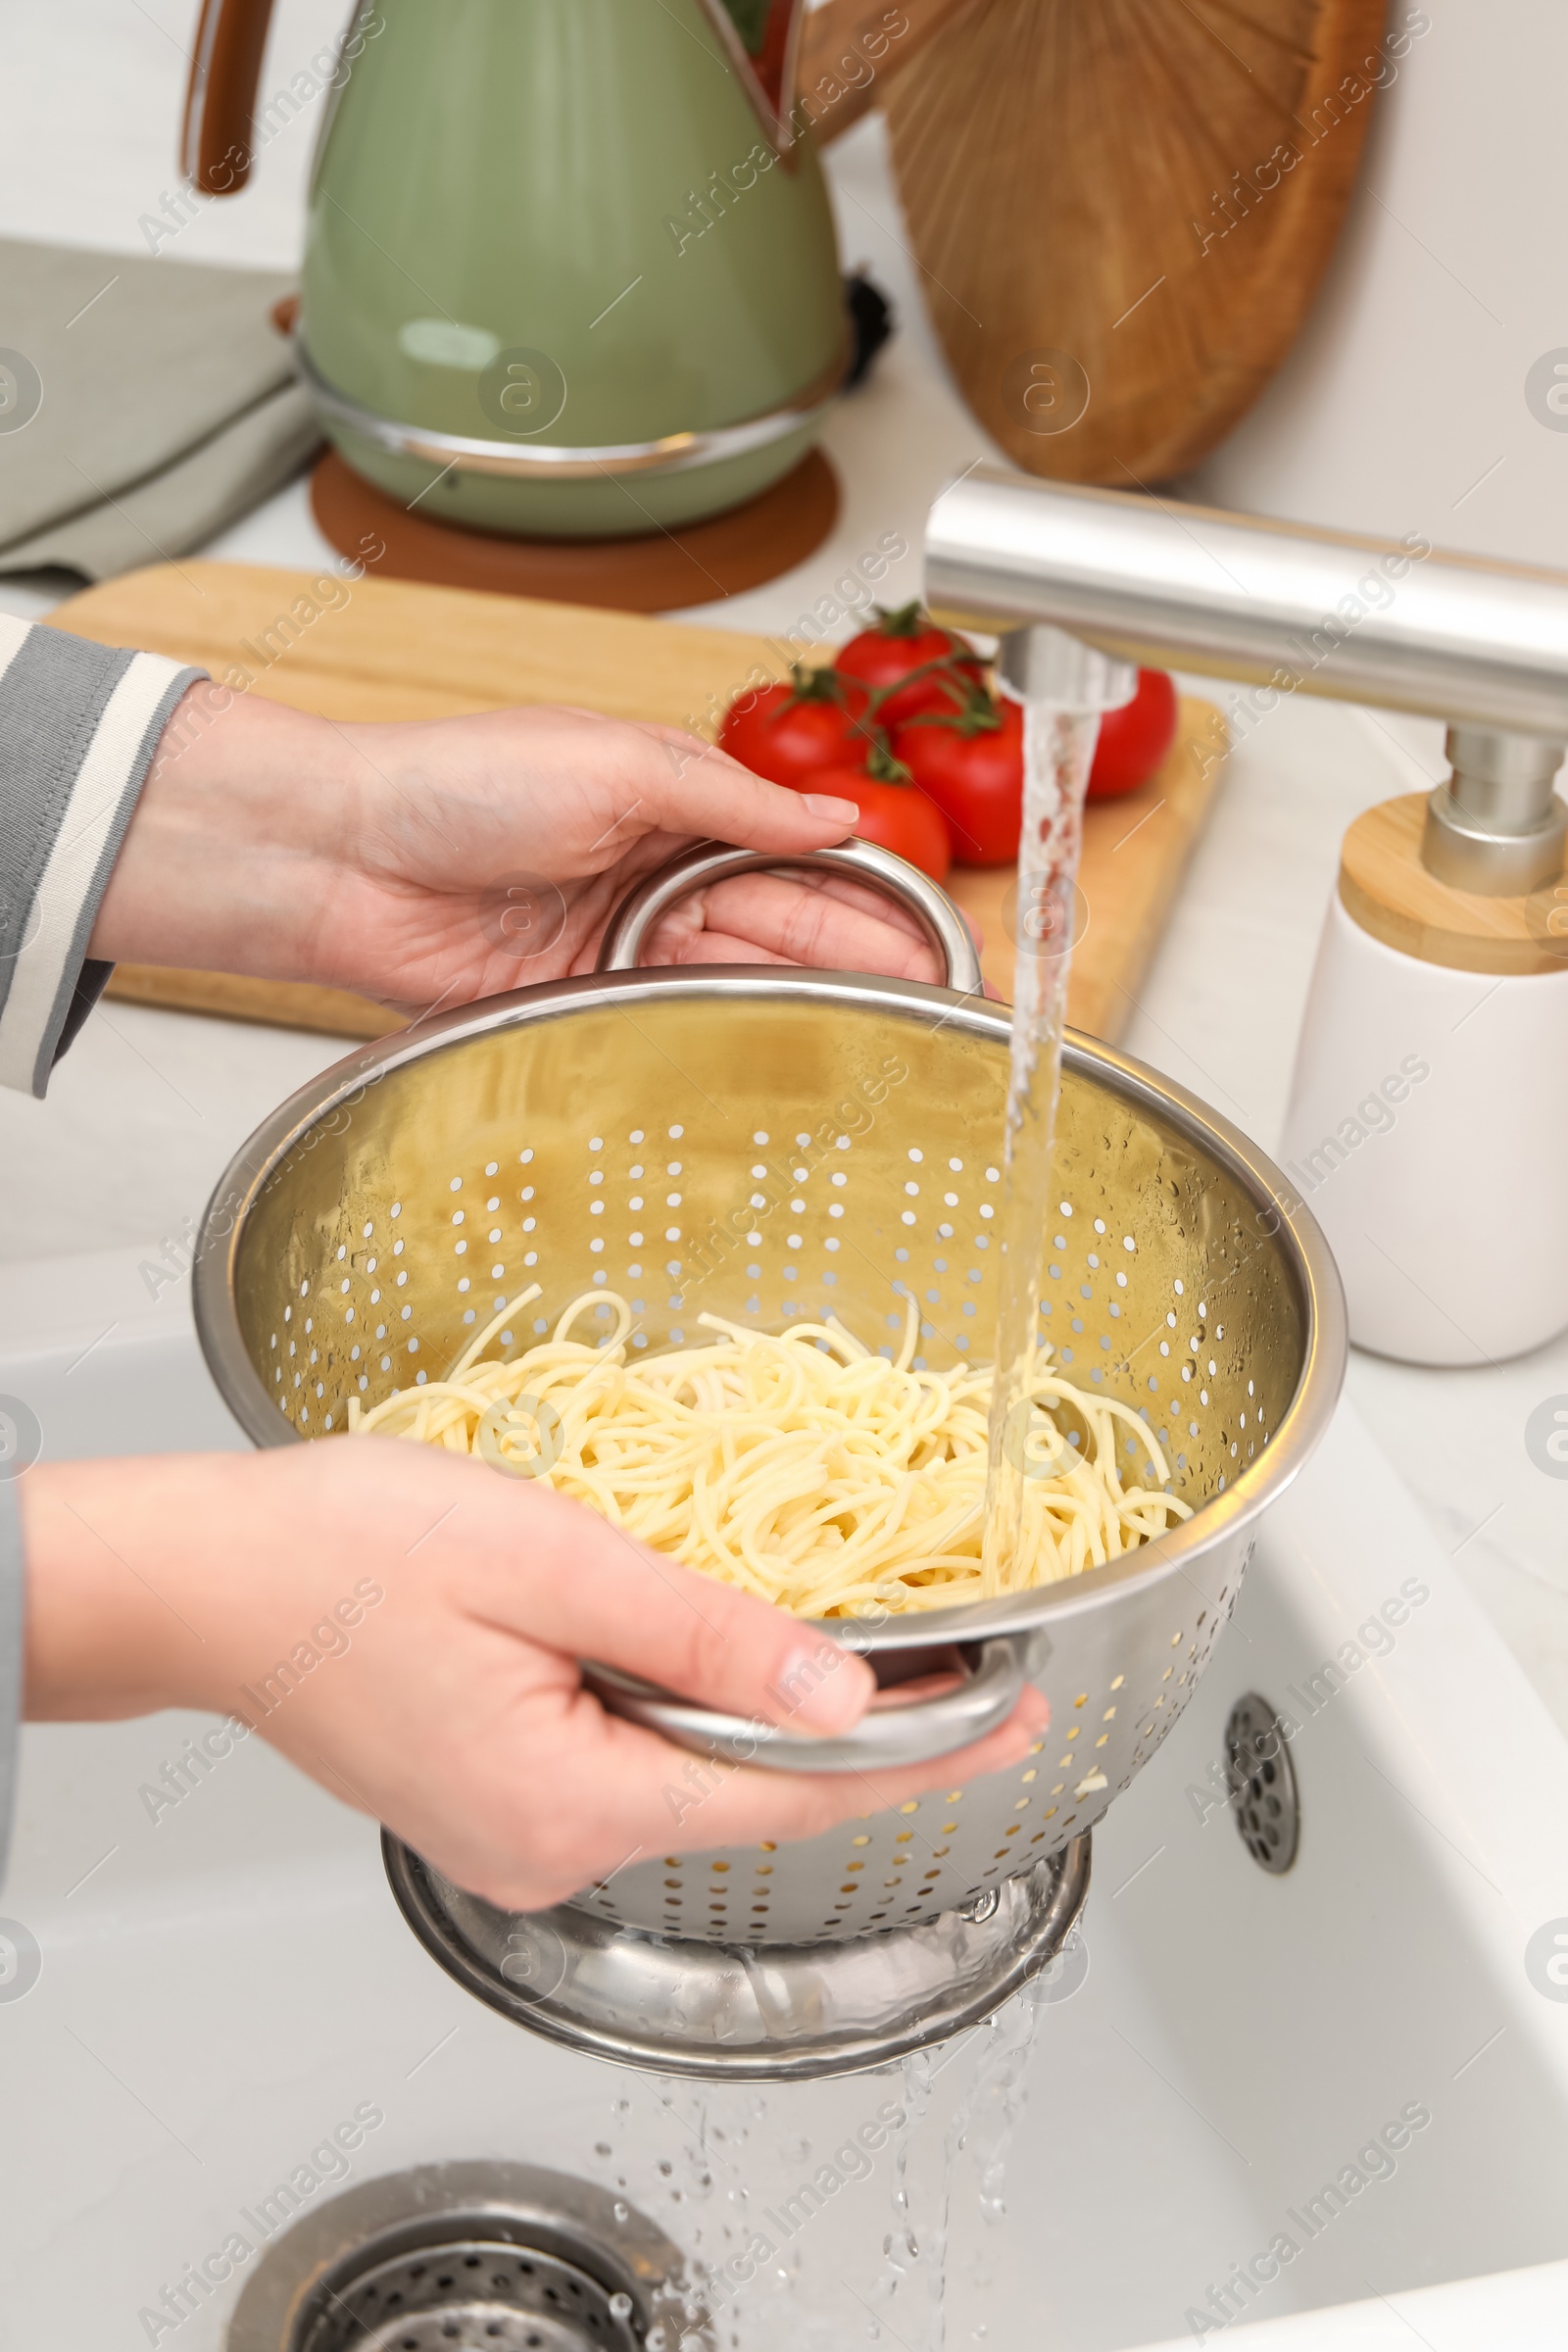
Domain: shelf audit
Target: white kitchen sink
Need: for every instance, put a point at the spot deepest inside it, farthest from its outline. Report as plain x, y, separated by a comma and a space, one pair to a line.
222, 1986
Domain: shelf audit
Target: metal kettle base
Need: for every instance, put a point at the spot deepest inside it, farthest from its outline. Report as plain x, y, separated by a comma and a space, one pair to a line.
736, 2012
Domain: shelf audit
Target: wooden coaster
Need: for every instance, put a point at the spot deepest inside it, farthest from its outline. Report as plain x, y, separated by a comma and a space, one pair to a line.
658, 573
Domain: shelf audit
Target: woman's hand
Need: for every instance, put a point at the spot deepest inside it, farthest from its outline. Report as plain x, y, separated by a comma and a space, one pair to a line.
406, 1627
445, 859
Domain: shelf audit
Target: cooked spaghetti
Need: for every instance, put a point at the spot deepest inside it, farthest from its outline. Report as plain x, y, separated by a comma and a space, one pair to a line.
803, 1468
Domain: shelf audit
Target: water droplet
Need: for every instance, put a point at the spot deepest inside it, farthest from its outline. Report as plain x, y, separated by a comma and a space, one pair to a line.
620, 2307
623, 2210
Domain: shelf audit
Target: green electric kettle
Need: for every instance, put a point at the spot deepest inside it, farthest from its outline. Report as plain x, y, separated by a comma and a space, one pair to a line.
570, 268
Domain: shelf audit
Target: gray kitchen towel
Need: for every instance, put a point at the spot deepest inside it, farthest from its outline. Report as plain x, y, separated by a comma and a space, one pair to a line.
144, 403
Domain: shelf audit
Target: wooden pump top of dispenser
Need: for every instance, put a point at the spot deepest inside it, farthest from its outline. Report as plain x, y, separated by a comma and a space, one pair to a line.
1390, 892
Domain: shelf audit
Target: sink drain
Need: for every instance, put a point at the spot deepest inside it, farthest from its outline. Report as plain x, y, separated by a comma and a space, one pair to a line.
1261, 1782
471, 2258
472, 2296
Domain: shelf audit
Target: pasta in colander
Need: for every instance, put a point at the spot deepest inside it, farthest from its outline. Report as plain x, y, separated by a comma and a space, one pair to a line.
801, 1467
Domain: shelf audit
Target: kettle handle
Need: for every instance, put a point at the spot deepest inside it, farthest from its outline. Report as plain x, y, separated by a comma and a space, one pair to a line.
226, 71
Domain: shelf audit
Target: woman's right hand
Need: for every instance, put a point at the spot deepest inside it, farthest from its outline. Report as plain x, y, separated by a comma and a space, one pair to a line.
405, 1625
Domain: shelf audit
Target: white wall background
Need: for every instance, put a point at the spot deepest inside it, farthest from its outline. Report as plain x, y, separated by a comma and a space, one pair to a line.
85, 148
1403, 405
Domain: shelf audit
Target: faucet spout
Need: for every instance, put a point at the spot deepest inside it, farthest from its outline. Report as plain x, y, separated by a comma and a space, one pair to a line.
1046, 664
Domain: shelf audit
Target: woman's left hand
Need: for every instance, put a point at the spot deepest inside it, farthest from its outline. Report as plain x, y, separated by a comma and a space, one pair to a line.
435, 862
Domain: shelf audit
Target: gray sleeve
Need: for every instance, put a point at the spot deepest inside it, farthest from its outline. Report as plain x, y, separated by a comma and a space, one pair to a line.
78, 726
11, 1628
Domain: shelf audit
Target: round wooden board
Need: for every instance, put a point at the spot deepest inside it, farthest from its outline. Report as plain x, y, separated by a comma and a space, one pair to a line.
658, 573
1122, 212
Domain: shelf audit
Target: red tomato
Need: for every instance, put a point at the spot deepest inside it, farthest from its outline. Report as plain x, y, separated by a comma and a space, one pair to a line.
1134, 740
897, 816
974, 774
901, 643
786, 733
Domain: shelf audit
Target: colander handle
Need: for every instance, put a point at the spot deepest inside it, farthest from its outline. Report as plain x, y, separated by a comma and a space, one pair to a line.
861, 861
911, 1733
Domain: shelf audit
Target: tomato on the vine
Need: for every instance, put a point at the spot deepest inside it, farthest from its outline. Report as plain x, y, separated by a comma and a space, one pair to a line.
905, 643
1134, 740
971, 763
897, 816
788, 732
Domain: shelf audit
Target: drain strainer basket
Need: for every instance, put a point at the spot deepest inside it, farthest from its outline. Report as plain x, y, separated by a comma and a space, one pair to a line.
470, 2294
471, 2258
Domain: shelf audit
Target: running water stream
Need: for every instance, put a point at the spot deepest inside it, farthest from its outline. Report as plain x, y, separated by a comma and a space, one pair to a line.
1059, 752
737, 2181
708, 2155
902, 2248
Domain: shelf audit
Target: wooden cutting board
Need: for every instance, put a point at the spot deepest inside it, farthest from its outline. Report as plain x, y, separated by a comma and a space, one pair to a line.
395, 650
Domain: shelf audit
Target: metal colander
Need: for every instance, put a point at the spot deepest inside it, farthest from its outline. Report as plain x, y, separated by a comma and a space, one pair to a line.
771, 1144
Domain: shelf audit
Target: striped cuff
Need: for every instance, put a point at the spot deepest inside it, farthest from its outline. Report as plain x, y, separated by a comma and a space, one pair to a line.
79, 725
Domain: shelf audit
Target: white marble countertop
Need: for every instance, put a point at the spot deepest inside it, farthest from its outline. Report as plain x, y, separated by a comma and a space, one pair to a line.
148, 1106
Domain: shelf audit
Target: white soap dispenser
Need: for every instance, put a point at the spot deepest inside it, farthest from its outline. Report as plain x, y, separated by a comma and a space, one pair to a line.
1428, 1120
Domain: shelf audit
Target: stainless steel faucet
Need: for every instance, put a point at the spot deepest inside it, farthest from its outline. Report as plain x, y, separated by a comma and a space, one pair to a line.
1290, 609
